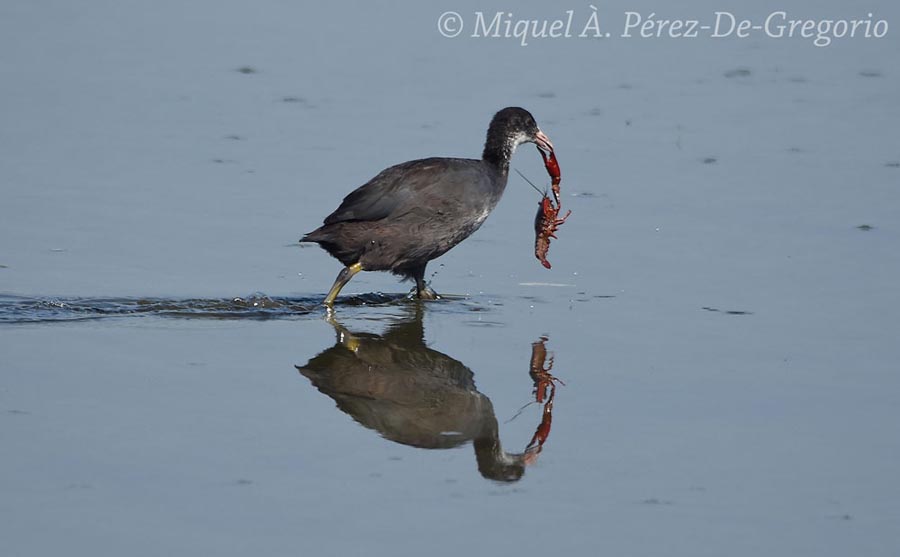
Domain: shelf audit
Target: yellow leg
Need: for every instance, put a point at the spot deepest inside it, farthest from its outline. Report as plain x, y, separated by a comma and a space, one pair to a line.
345, 337
343, 278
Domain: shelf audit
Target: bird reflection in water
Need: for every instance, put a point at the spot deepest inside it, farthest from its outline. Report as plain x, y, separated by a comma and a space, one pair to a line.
414, 395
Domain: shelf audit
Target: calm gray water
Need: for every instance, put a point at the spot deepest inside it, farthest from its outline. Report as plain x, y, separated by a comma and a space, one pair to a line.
723, 305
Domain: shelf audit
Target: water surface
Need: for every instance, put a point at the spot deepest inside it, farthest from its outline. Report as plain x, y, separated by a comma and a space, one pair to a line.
723, 304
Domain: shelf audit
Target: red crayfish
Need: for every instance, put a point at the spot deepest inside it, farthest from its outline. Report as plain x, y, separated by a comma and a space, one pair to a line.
547, 221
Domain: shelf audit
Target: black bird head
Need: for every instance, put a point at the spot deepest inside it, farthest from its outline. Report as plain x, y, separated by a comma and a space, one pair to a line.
509, 128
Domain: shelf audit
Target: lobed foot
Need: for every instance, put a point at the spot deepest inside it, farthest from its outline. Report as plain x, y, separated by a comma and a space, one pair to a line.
428, 294
425, 293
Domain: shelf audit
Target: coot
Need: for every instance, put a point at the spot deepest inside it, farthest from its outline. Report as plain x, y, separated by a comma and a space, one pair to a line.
416, 211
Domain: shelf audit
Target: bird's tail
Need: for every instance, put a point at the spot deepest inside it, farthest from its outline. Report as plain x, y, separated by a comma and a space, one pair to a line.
313, 236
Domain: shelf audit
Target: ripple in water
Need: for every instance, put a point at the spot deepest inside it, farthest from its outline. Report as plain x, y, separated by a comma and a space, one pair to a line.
17, 309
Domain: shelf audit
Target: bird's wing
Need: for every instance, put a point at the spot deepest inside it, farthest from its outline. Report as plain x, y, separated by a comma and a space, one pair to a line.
394, 191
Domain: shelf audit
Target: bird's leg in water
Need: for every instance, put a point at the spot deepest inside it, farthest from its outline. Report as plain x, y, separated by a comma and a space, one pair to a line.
423, 291
343, 278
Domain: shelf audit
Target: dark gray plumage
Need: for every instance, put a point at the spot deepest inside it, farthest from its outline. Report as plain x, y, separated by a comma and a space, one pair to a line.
416, 211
